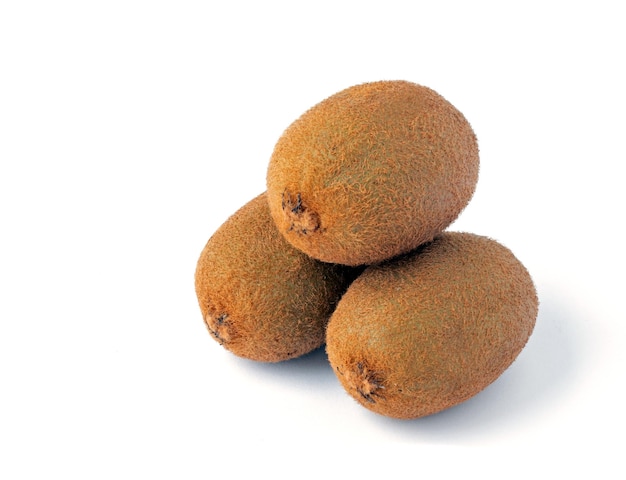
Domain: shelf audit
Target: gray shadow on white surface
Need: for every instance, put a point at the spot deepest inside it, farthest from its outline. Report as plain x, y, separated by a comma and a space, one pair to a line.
312, 369
543, 373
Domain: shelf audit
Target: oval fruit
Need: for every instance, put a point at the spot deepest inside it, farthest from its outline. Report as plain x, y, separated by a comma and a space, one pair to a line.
427, 331
261, 298
372, 172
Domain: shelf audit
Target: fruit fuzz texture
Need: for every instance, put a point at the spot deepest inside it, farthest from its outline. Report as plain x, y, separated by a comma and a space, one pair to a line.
428, 330
372, 172
261, 298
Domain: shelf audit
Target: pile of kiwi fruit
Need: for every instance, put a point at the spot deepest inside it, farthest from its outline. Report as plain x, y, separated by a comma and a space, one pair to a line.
349, 247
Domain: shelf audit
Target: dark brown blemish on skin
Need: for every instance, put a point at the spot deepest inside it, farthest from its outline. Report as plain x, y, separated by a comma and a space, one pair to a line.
302, 219
366, 382
219, 326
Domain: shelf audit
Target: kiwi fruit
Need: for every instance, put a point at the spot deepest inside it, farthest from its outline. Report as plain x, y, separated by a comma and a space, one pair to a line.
372, 172
430, 329
261, 298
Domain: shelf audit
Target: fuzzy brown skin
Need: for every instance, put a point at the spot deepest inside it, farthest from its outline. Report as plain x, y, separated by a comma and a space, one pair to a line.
261, 298
372, 172
426, 331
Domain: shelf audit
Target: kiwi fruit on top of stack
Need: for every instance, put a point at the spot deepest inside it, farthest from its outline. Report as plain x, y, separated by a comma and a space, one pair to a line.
260, 297
372, 172
430, 329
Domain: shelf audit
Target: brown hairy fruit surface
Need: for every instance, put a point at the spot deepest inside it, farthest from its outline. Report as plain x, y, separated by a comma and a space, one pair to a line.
372, 172
261, 298
432, 328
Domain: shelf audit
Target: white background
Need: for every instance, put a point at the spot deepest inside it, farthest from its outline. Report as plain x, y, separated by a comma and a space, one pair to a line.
130, 130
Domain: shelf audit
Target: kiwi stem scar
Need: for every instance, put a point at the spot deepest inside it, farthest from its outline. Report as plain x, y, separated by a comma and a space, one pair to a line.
365, 381
301, 219
218, 326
